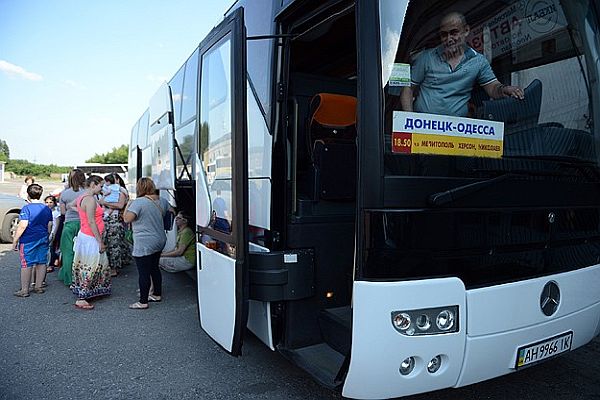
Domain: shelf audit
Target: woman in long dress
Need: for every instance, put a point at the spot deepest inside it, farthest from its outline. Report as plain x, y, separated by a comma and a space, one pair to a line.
91, 272
114, 236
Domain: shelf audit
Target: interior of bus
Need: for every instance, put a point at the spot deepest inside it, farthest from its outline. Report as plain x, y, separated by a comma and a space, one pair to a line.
321, 61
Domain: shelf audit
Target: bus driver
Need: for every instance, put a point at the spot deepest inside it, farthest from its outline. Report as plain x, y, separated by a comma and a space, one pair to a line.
445, 74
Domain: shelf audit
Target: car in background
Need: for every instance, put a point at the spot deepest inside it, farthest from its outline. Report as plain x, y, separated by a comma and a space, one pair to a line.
10, 207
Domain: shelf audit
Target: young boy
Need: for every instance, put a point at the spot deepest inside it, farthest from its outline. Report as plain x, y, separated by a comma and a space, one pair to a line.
111, 191
31, 240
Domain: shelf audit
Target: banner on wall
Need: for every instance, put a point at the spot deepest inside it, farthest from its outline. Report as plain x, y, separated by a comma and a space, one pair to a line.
517, 25
418, 133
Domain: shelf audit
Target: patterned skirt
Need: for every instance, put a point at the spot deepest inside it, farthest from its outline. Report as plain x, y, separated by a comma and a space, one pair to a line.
117, 248
91, 273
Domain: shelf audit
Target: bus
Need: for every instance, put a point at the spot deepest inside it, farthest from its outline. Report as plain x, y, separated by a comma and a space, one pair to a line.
101, 169
388, 252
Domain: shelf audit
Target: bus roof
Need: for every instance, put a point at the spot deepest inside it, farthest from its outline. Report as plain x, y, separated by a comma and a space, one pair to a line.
99, 168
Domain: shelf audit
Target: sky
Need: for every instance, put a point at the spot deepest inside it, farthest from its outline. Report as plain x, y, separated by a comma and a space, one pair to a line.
75, 75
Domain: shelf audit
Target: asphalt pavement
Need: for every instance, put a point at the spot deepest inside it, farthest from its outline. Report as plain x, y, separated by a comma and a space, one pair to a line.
51, 350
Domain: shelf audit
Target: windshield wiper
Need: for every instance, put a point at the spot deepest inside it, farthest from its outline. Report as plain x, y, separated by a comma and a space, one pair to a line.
451, 195
448, 196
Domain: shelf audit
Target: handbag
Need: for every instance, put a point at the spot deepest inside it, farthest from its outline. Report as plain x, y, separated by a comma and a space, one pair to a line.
167, 217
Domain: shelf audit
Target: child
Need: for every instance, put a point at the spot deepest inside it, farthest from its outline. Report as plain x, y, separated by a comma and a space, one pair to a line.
111, 191
31, 240
54, 240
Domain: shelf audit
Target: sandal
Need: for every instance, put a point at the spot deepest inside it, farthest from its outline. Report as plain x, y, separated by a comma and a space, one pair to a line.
21, 293
49, 269
155, 299
84, 306
39, 290
138, 306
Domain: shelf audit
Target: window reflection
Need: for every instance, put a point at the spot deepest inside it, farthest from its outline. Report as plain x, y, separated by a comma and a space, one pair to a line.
176, 85
215, 131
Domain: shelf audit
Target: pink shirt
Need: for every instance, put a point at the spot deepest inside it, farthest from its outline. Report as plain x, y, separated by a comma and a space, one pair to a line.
85, 226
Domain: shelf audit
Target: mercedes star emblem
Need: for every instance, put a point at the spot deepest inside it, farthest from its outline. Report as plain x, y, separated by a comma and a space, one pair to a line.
550, 298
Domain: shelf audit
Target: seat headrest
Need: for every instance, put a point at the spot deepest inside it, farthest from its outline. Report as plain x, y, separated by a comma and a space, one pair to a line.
334, 110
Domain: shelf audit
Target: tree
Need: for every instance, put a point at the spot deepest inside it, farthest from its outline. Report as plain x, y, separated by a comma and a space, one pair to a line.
24, 167
4, 151
118, 155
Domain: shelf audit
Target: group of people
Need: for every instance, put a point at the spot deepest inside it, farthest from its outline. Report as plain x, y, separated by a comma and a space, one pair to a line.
96, 212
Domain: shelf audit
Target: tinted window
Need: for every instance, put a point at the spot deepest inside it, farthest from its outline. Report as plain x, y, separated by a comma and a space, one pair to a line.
188, 103
185, 139
457, 119
176, 85
215, 131
143, 130
259, 21
134, 133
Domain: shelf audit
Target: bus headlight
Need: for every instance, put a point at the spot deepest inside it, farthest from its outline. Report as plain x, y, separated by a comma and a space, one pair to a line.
402, 321
434, 365
407, 366
445, 320
421, 322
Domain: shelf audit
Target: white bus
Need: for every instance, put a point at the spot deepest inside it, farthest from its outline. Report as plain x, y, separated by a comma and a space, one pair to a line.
387, 252
102, 169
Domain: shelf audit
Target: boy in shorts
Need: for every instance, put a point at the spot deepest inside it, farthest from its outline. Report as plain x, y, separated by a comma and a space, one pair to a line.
31, 240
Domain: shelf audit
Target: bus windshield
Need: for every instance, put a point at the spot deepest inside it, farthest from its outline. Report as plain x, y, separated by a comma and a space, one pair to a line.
481, 89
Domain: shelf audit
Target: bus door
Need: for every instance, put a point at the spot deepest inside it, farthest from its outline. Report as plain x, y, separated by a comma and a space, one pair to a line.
161, 128
161, 146
222, 192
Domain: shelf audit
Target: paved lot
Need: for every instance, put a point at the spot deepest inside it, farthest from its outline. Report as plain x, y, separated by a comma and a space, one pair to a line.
50, 350
13, 186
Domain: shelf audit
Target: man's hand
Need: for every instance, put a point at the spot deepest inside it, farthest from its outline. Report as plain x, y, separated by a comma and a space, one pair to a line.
513, 91
496, 90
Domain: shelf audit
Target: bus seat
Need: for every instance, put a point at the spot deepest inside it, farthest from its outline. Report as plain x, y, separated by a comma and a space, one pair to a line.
333, 117
334, 171
331, 140
516, 113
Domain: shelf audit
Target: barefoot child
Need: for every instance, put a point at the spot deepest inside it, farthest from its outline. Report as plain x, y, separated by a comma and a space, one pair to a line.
31, 240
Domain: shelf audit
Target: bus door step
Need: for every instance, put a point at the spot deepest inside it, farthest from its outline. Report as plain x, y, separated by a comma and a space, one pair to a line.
320, 361
336, 328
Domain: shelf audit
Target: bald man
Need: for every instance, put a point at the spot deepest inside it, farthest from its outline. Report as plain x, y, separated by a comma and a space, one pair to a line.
443, 77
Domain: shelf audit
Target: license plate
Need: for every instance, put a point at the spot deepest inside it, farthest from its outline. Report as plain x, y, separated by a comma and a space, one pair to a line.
543, 350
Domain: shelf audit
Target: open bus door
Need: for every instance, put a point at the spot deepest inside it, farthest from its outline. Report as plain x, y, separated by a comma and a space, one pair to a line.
222, 200
161, 145
161, 134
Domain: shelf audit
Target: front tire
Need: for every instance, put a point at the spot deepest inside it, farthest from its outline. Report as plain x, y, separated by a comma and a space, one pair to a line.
9, 227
